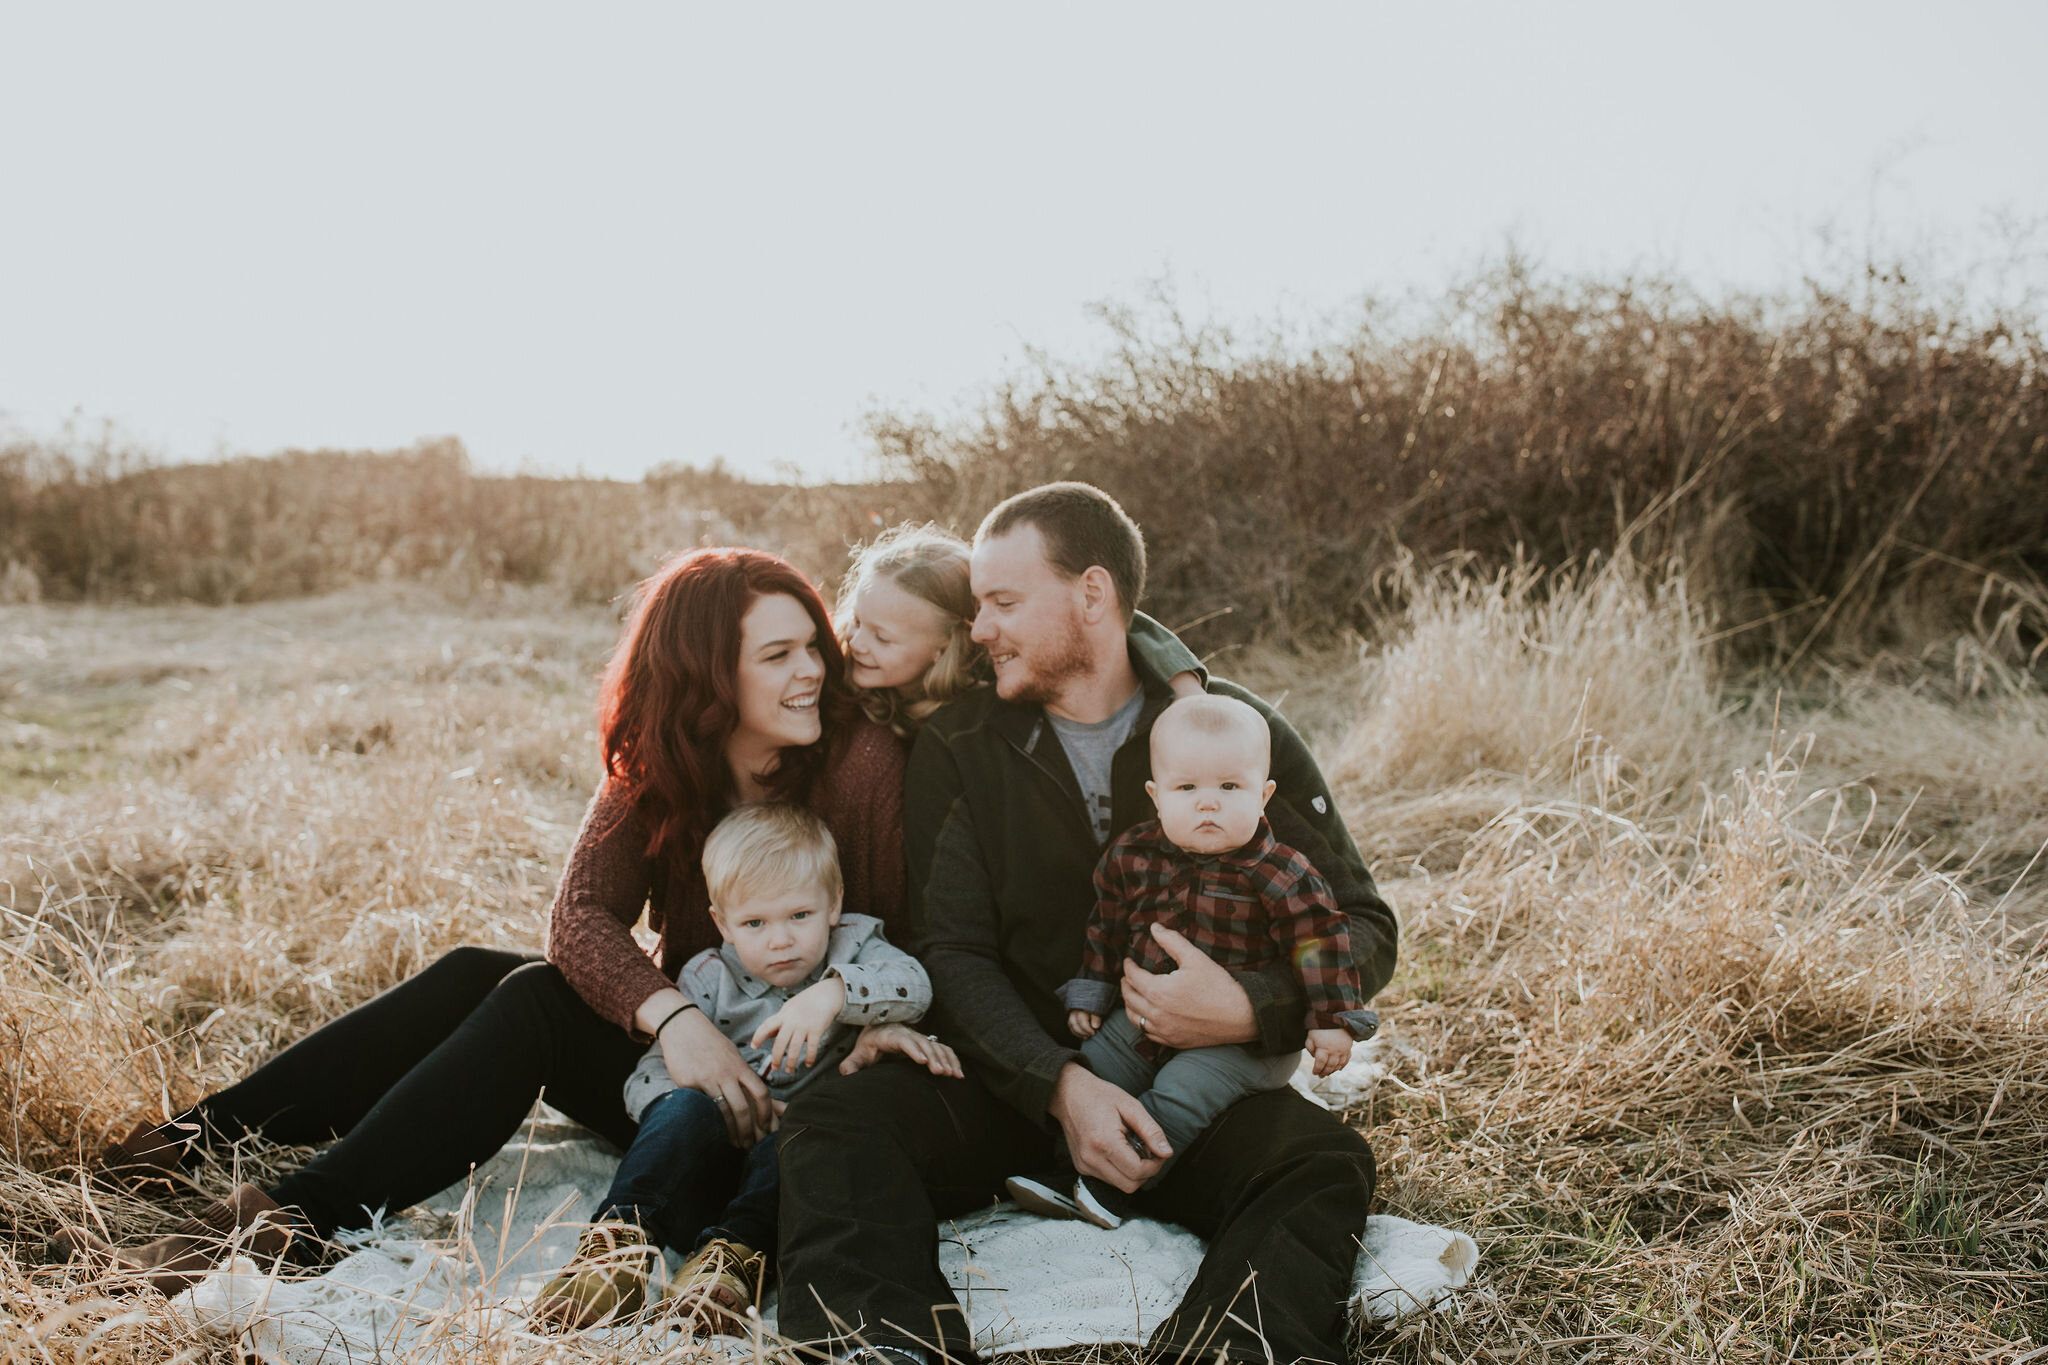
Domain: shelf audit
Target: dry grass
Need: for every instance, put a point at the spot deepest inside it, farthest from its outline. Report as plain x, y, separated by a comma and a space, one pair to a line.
1721, 1012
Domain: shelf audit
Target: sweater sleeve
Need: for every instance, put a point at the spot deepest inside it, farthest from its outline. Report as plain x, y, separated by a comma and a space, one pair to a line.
1303, 916
861, 800
600, 897
1095, 987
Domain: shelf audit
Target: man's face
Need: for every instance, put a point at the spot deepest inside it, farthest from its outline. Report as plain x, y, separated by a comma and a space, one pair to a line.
1210, 789
1029, 618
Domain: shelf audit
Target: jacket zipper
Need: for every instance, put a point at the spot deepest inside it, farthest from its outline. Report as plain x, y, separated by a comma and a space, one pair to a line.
1087, 825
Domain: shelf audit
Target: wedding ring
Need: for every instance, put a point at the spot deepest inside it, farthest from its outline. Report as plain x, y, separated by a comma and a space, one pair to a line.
718, 1100
1139, 1020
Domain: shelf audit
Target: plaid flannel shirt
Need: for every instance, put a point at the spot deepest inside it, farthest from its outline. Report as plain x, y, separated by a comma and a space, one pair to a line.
1246, 908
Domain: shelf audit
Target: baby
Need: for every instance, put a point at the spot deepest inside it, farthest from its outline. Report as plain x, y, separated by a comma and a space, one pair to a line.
796, 985
1209, 868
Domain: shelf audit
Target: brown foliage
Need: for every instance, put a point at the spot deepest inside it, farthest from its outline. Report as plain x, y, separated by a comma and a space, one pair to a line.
1816, 464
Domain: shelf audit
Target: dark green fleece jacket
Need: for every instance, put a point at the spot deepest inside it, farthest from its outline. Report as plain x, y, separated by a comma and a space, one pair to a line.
1002, 858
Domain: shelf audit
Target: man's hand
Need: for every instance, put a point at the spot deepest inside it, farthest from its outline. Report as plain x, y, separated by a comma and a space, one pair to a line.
1199, 1005
699, 1057
800, 1025
1083, 1024
877, 1041
1109, 1134
1331, 1049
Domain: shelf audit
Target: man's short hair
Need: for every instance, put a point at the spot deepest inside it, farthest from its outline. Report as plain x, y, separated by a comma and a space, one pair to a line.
769, 846
1082, 527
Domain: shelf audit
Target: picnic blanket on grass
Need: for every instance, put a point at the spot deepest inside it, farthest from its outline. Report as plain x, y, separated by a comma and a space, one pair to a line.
457, 1272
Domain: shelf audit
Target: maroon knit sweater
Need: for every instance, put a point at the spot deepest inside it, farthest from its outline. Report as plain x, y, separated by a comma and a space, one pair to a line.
610, 878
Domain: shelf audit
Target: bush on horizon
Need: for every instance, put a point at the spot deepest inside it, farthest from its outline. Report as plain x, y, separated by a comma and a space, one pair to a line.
1834, 468
1851, 471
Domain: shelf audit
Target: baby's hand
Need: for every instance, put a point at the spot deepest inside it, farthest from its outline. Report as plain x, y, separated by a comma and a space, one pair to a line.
1082, 1024
1331, 1048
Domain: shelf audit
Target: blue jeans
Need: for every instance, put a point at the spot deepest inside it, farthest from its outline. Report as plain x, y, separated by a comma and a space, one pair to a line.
684, 1182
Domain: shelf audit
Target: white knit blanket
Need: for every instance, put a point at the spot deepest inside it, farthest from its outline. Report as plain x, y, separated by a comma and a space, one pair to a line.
455, 1276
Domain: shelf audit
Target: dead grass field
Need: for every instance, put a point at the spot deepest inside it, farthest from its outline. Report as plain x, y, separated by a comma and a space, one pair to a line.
1720, 1023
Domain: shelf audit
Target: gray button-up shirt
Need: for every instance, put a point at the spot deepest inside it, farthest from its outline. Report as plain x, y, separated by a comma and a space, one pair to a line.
884, 985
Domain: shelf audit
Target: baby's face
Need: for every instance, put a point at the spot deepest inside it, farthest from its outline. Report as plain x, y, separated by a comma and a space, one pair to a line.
1210, 789
780, 935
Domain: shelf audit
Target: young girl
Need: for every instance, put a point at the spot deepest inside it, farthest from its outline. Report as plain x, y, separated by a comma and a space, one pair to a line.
904, 615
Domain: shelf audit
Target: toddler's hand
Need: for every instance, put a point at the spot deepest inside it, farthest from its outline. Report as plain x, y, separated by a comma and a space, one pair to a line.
1331, 1049
1083, 1024
799, 1026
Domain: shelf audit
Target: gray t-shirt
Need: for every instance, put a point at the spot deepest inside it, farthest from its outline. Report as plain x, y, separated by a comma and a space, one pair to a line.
1090, 750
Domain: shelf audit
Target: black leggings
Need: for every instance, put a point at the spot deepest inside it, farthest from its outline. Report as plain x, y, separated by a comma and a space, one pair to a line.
427, 1080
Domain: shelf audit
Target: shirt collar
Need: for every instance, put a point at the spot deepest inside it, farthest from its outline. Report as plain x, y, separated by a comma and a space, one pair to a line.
753, 987
1248, 854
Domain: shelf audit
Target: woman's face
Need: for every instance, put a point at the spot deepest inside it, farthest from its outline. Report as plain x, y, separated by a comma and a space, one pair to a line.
895, 637
781, 674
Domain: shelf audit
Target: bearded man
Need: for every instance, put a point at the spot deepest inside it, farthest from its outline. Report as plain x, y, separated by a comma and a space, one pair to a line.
1010, 797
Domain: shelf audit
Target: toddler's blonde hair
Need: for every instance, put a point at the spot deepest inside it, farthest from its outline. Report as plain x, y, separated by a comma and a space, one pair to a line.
930, 565
769, 846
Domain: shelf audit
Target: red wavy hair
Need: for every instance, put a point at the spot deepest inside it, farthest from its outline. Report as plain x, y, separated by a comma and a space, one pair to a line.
669, 700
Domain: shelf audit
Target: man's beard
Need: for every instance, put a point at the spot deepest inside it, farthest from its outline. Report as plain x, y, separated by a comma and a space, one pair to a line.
1066, 660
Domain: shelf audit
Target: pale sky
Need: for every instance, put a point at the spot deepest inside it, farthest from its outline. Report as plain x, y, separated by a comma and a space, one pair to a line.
601, 237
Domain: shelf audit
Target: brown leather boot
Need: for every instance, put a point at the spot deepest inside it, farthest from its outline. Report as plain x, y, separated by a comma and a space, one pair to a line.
248, 1222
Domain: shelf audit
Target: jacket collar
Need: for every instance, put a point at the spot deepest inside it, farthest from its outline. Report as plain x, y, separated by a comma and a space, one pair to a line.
751, 986
1248, 854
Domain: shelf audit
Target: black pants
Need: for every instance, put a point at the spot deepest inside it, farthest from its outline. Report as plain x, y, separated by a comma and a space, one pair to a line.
871, 1161
430, 1078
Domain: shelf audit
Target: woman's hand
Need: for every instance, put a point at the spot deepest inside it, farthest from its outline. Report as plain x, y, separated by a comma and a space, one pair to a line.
699, 1057
800, 1025
877, 1041
1198, 1005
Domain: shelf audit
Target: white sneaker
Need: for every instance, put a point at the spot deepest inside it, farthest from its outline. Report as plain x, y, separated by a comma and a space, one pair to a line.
1048, 1194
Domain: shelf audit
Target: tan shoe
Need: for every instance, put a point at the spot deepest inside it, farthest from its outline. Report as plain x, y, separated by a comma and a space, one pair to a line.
150, 1155
605, 1281
248, 1223
717, 1286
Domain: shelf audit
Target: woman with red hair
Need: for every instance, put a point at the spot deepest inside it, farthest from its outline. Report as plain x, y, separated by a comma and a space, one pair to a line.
727, 686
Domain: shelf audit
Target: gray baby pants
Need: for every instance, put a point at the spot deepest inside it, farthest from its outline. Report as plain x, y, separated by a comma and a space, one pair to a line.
1185, 1093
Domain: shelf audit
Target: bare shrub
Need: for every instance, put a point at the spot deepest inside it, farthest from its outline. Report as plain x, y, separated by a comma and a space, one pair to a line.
1817, 463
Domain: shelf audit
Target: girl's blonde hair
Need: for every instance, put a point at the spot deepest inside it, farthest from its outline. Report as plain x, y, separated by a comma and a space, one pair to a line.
930, 565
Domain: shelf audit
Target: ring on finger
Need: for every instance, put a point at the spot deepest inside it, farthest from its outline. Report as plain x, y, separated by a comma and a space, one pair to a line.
718, 1100
1139, 1020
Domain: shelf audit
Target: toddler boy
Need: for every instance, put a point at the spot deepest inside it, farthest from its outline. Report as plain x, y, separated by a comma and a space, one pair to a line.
795, 986
1210, 868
